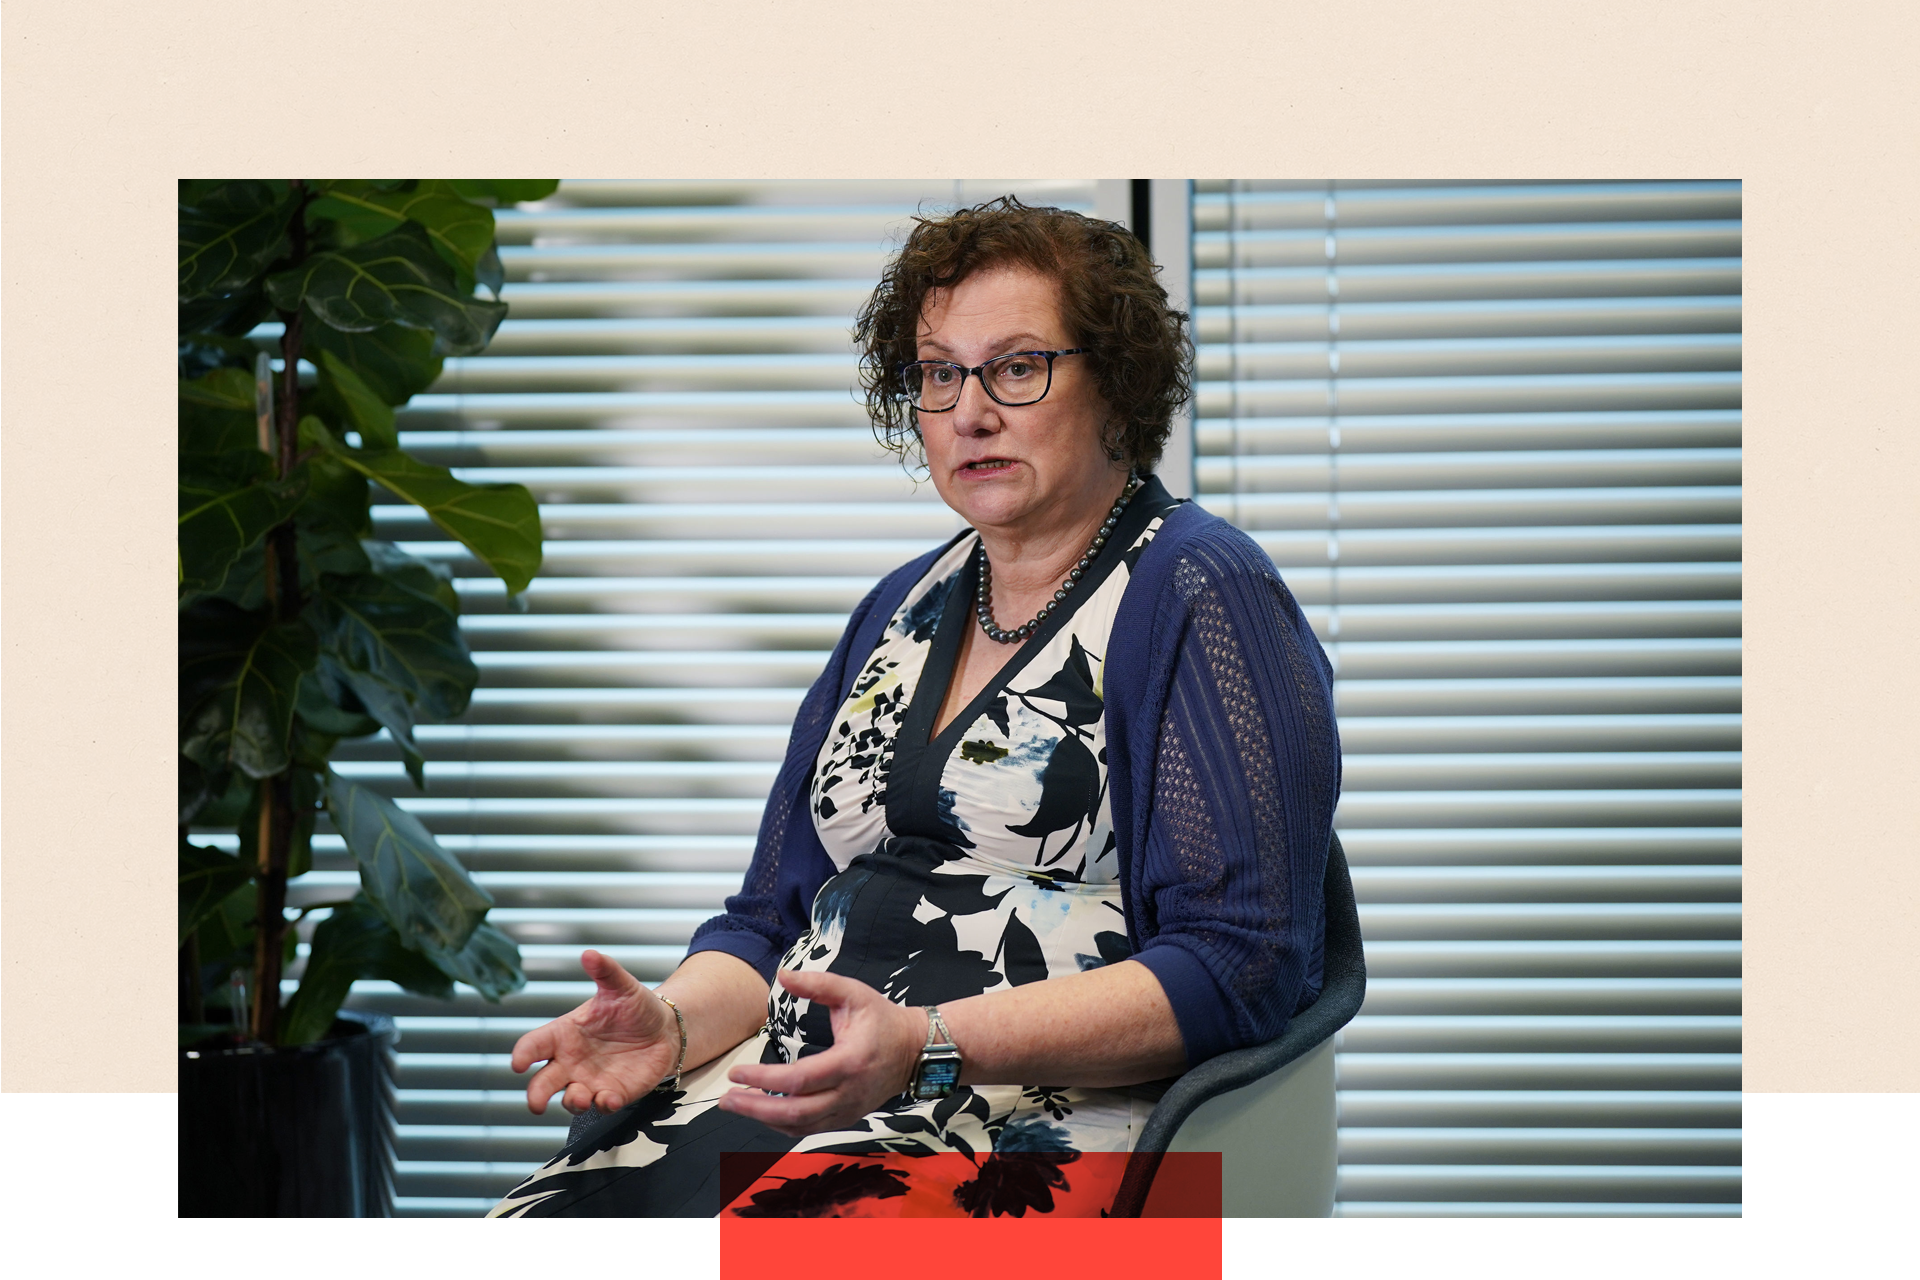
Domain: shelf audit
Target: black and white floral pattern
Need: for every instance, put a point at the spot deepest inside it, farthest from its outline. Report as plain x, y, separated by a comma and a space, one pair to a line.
978, 860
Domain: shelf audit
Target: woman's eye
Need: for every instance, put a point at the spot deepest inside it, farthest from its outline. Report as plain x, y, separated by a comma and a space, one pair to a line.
942, 375
1016, 369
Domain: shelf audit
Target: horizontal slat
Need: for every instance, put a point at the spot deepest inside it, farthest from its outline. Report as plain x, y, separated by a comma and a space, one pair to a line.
1359, 735
1696, 732
679, 373
1678, 806
693, 225
1680, 1183
1504, 546
830, 407
1543, 1146
529, 1145
1510, 393
1311, 205
585, 337
1435, 770
1697, 1109
695, 298
1245, 434
1716, 1071
1549, 958
1431, 281
1420, 771
1641, 996
1536, 695
1541, 1033
445, 1179
1480, 921
1531, 1209
1374, 884
1510, 469
1465, 659
1517, 242
1564, 846
777, 630
707, 445
1311, 585
776, 260
1364, 509
1384, 321
1354, 357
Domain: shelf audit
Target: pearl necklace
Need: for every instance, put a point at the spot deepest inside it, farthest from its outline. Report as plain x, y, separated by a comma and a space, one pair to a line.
983, 600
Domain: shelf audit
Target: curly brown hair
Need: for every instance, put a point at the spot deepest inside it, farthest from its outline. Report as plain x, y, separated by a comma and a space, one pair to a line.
1109, 301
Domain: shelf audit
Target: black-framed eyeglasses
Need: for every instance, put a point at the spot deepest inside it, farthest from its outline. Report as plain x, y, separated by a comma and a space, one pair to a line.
1017, 378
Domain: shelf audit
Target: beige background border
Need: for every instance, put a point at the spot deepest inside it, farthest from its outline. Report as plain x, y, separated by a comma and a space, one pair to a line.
105, 104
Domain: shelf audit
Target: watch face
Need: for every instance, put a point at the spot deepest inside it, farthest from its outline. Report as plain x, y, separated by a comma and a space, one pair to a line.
937, 1076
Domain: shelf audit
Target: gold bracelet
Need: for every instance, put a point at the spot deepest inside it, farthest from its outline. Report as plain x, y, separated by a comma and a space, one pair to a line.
668, 1086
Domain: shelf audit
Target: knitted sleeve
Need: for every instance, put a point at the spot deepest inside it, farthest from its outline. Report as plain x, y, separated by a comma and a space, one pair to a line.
1244, 779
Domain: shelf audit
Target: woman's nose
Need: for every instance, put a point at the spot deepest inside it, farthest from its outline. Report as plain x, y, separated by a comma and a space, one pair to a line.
975, 411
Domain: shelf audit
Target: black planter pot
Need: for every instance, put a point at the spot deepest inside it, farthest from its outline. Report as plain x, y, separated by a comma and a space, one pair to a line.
305, 1132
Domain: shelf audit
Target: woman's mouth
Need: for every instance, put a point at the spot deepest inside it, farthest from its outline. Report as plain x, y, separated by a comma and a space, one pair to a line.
988, 464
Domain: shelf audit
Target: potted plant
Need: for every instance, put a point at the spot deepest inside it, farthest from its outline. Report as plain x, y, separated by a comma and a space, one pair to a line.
299, 629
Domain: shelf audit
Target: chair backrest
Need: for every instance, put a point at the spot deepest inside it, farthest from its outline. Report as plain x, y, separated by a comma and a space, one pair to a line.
1343, 987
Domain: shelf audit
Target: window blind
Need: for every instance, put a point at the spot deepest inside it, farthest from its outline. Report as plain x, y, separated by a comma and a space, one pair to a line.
1490, 434
674, 382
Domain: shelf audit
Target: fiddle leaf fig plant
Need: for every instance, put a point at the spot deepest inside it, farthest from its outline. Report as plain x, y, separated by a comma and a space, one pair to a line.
298, 627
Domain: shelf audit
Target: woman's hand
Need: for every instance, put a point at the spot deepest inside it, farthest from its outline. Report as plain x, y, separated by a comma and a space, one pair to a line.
606, 1053
875, 1044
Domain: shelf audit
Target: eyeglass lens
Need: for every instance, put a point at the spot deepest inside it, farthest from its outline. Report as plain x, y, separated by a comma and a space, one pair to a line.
1015, 379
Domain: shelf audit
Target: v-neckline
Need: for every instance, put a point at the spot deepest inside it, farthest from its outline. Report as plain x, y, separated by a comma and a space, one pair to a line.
913, 805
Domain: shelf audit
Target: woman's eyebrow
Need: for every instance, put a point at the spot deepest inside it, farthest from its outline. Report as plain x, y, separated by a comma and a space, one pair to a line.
1036, 340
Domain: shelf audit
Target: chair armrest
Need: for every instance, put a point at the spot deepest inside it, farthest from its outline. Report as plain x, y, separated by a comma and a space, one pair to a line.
1343, 987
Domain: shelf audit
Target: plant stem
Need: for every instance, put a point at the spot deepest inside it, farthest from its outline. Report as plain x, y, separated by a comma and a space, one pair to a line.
283, 597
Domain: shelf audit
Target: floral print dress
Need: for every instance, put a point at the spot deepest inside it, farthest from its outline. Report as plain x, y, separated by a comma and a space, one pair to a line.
969, 861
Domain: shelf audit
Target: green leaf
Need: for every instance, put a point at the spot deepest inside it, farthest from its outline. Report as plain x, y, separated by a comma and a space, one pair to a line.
202, 353
226, 936
395, 362
396, 279
207, 878
197, 788
399, 650
221, 797
318, 708
506, 190
229, 233
239, 681
421, 577
490, 273
219, 521
417, 886
218, 421
232, 315
353, 943
460, 231
499, 523
364, 411
489, 963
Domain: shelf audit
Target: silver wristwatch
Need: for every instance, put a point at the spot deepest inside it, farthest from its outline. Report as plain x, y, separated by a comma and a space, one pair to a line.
937, 1072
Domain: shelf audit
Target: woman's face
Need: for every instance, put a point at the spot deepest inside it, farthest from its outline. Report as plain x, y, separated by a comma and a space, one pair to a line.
1030, 467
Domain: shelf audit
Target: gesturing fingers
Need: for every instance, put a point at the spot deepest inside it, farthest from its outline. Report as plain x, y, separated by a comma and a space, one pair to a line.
535, 1046
794, 1116
812, 1074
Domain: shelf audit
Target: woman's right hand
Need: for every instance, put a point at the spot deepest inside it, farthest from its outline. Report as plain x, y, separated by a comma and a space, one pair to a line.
606, 1053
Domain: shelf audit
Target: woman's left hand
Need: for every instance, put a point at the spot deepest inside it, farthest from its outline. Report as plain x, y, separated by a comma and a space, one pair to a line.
875, 1044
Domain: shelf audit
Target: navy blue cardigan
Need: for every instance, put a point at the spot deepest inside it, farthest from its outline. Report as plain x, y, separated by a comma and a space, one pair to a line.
1223, 771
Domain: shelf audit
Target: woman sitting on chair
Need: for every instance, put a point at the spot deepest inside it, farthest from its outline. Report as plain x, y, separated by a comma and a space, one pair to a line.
1051, 825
